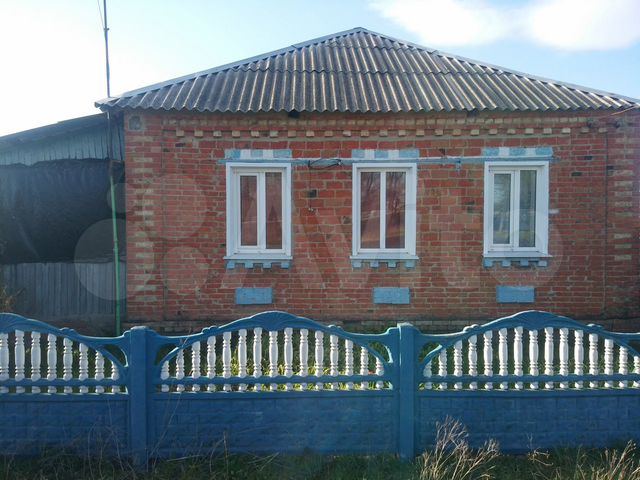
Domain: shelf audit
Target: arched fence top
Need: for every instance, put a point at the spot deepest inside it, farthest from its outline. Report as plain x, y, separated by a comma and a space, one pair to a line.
10, 322
528, 320
276, 351
530, 349
272, 321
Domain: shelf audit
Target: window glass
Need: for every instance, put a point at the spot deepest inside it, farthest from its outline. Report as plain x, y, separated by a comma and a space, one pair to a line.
273, 186
527, 233
370, 209
395, 209
248, 211
502, 208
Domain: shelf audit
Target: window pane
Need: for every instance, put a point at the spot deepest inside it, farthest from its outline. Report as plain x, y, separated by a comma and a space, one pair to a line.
396, 184
527, 234
248, 211
370, 210
273, 182
501, 208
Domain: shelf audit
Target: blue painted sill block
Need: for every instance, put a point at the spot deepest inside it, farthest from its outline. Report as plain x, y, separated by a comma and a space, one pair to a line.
254, 296
391, 296
507, 294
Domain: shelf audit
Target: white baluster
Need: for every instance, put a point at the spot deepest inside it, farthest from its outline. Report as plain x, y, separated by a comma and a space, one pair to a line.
164, 374
19, 358
364, 367
503, 356
379, 373
67, 360
517, 355
52, 360
288, 355
304, 355
578, 355
319, 358
348, 361
623, 366
593, 358
473, 360
83, 367
242, 357
548, 355
4, 360
333, 359
115, 375
608, 361
195, 365
36, 360
564, 355
457, 363
487, 355
273, 358
226, 359
533, 358
99, 373
257, 357
427, 373
636, 370
442, 367
211, 362
180, 370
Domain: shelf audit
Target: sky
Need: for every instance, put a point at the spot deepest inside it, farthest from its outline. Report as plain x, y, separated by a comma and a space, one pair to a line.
52, 55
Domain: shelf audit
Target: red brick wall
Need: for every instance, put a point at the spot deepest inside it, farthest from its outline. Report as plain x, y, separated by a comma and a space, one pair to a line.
176, 218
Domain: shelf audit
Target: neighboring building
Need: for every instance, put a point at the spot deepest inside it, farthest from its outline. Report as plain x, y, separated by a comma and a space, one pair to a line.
360, 178
56, 241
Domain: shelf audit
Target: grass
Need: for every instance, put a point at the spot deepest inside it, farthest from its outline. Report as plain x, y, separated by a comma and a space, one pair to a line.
451, 459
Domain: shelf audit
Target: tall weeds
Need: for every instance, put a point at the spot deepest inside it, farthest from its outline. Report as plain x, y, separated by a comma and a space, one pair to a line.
453, 459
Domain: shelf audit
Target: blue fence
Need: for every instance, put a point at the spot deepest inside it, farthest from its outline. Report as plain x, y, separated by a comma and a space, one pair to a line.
275, 382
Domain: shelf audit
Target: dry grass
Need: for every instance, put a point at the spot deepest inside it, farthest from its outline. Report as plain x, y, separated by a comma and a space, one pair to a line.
452, 458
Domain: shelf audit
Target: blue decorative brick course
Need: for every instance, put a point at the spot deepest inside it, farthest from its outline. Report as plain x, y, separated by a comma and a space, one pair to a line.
404, 154
262, 154
517, 152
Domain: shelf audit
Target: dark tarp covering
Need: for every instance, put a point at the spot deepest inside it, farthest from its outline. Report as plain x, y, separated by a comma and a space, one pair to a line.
57, 211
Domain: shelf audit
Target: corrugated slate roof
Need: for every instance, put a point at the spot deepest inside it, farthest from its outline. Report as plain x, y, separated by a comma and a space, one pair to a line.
363, 71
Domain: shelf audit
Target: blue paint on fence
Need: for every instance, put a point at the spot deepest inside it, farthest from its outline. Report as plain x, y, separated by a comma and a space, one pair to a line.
254, 296
509, 294
391, 295
395, 413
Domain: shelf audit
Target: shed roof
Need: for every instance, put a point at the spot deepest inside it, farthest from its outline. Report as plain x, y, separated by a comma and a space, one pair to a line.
363, 71
79, 138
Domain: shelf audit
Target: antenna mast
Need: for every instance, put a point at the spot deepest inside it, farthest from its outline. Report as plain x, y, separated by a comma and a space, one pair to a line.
114, 223
106, 47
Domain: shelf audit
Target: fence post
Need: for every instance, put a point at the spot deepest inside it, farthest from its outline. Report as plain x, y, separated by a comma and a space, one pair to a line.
407, 391
138, 396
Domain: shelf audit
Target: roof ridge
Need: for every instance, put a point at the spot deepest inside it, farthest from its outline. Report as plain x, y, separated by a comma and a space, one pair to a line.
248, 60
418, 62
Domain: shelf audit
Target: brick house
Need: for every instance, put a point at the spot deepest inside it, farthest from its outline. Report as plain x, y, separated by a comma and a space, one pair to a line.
361, 178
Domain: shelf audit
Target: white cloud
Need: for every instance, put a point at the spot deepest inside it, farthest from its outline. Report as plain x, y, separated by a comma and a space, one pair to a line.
561, 24
584, 24
447, 22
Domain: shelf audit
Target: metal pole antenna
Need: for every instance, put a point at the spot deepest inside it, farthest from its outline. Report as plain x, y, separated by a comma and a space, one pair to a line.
114, 224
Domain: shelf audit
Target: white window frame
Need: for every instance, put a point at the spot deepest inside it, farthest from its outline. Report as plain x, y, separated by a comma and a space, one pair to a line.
410, 210
234, 249
542, 209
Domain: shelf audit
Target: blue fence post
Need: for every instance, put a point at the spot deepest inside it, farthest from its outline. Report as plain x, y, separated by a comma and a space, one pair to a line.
407, 391
139, 396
